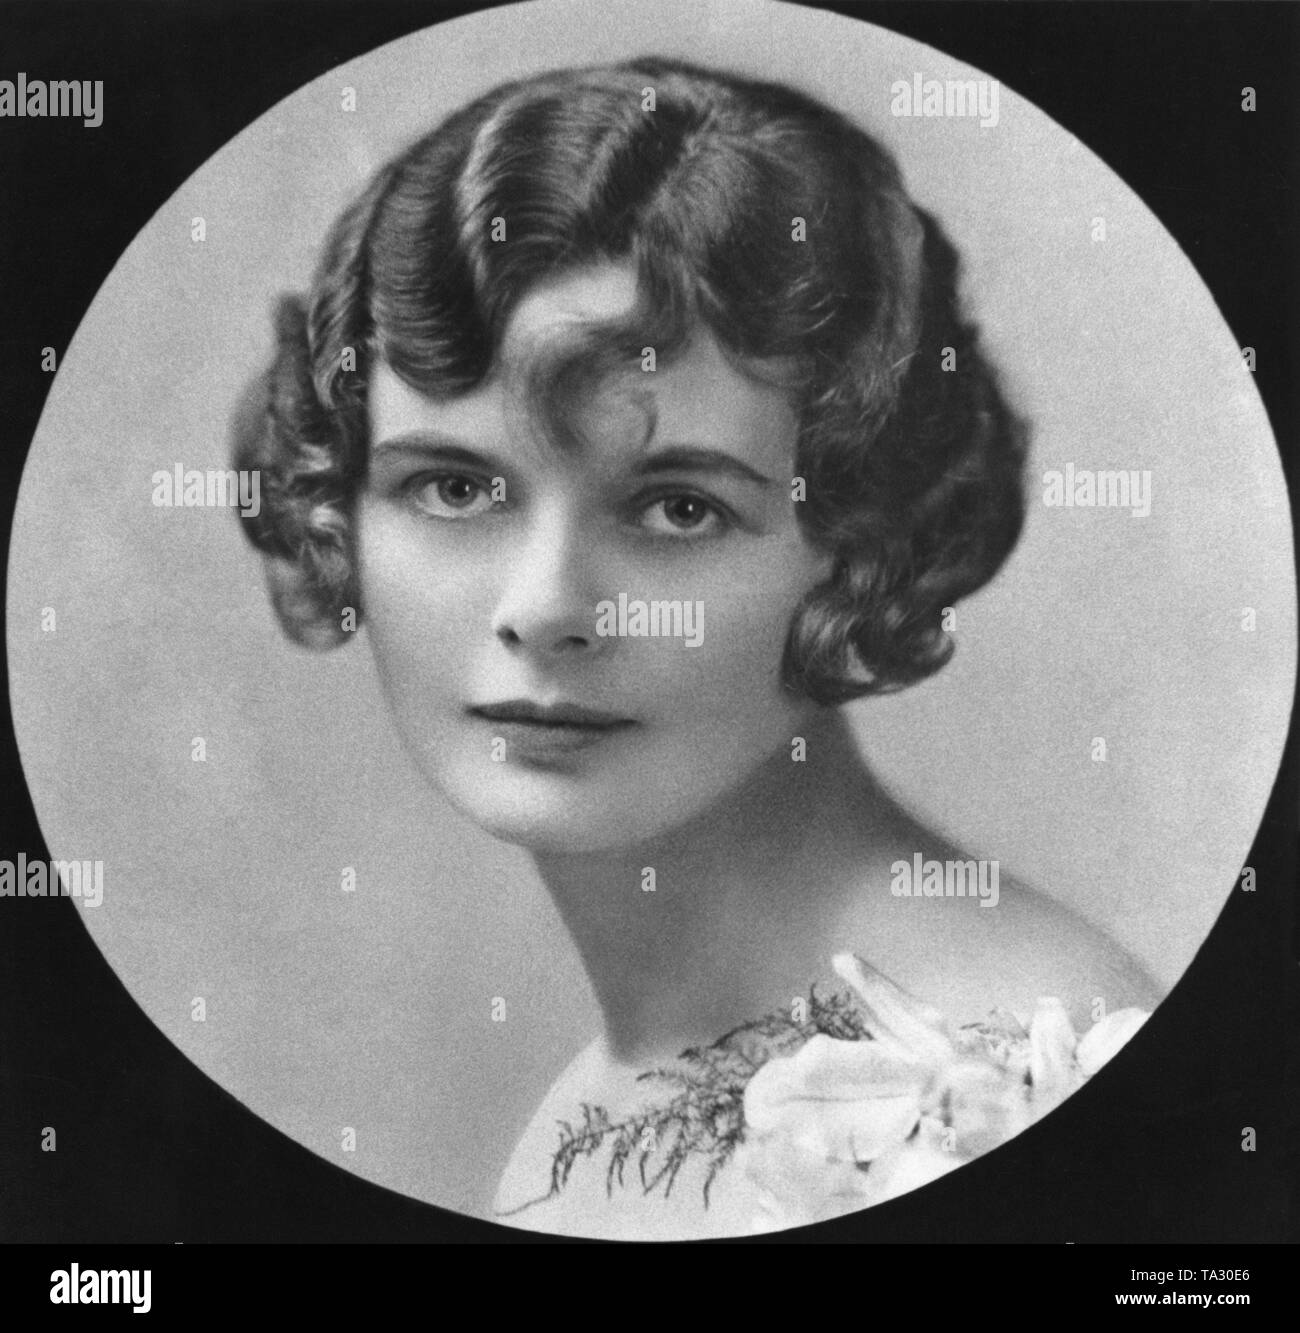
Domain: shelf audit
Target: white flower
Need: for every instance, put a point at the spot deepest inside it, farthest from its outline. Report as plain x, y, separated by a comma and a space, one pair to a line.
841, 1125
812, 1117
1106, 1037
1052, 1044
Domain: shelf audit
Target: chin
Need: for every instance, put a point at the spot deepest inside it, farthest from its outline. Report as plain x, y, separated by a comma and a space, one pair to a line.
550, 812
561, 813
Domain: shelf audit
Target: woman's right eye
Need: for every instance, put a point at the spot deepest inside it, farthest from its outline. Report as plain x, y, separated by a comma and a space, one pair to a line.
449, 495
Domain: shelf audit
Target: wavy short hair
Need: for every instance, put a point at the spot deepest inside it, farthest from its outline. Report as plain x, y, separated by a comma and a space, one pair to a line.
746, 207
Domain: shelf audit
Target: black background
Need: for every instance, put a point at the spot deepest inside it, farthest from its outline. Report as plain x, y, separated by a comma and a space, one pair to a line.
149, 1149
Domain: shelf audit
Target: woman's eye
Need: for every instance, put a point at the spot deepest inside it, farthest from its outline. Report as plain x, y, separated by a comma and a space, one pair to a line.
450, 496
689, 515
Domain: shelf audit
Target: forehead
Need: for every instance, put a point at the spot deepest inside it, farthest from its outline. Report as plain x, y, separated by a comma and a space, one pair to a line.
699, 398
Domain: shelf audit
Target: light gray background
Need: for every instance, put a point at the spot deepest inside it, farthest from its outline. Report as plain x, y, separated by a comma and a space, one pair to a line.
373, 1009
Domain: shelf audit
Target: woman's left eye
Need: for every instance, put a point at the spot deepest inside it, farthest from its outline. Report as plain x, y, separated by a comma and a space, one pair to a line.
450, 496
684, 515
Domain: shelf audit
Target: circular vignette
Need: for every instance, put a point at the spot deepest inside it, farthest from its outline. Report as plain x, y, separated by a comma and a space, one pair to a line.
225, 881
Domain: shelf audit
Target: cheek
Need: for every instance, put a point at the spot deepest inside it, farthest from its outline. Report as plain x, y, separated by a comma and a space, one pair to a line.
735, 673
415, 612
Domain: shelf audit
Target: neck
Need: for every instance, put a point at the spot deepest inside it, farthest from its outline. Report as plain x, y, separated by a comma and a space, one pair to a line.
746, 899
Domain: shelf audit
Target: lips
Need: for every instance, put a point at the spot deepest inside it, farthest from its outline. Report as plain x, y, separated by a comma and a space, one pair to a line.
526, 712
550, 736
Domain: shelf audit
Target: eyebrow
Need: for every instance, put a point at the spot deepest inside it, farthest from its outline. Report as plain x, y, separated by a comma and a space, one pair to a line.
433, 443
691, 458
673, 458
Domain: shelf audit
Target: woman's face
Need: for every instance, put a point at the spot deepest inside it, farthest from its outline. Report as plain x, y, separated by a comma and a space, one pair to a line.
485, 555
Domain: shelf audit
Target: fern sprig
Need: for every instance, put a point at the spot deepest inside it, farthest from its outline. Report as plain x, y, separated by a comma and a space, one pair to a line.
705, 1116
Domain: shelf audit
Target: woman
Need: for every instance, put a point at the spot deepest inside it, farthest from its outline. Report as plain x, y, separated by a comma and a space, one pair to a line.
633, 411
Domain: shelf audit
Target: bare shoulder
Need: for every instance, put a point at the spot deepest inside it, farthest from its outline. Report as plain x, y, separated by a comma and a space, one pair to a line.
525, 1186
969, 954
1050, 949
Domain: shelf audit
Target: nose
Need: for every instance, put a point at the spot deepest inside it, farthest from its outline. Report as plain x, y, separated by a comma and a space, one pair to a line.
546, 604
